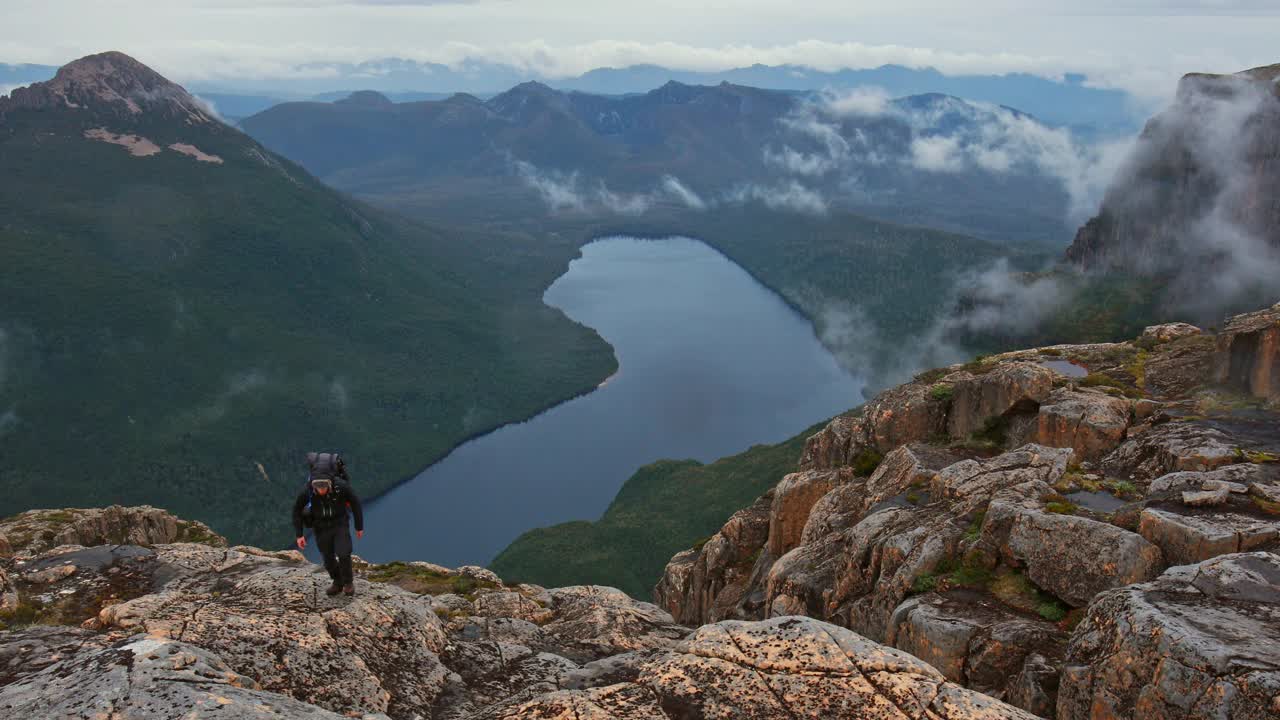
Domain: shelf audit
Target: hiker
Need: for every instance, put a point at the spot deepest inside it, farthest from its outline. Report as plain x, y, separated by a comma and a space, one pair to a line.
323, 506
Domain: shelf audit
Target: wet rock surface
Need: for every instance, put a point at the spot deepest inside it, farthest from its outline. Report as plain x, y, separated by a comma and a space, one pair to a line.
1200, 641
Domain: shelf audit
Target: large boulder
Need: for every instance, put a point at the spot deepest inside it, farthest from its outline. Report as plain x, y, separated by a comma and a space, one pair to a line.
977, 642
1249, 353
1007, 388
1090, 422
1198, 642
793, 498
1170, 447
898, 416
147, 678
1187, 536
792, 667
1177, 367
1074, 557
34, 531
589, 622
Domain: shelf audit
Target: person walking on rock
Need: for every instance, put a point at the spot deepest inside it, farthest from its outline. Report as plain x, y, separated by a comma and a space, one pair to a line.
326, 505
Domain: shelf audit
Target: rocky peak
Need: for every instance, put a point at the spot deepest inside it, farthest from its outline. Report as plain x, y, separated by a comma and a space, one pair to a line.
111, 84
1195, 200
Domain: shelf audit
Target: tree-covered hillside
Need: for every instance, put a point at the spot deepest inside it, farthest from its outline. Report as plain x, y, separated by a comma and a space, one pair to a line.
179, 325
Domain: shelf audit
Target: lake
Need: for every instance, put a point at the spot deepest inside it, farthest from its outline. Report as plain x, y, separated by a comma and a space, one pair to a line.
711, 362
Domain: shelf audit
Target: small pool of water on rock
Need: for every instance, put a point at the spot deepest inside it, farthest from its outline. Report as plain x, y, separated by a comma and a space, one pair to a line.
1065, 367
712, 362
1100, 501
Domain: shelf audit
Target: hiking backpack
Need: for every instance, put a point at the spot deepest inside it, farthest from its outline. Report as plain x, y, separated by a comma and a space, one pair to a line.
328, 466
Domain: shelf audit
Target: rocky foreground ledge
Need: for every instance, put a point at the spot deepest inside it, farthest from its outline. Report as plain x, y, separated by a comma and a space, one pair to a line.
1082, 531
153, 628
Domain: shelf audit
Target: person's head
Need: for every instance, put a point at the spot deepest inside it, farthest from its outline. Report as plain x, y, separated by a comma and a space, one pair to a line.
322, 486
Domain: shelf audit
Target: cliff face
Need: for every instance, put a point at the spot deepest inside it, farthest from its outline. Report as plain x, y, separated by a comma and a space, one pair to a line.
1011, 520
1201, 189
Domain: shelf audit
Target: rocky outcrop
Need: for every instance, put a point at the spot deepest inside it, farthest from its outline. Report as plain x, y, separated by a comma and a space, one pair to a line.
1197, 642
786, 667
1249, 354
146, 678
1006, 389
1128, 458
36, 531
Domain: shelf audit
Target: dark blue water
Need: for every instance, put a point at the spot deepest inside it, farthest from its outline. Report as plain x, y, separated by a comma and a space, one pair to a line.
711, 363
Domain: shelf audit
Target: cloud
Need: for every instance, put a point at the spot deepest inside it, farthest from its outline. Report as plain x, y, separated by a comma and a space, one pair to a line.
564, 192
868, 101
676, 189
6, 89
558, 190
937, 154
786, 195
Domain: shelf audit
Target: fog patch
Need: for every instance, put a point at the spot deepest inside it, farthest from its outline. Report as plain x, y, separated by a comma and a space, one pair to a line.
237, 385
936, 154
9, 421
787, 195
866, 101
566, 192
338, 393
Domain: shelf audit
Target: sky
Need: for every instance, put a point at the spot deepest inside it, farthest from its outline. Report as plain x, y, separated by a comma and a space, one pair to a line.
1141, 46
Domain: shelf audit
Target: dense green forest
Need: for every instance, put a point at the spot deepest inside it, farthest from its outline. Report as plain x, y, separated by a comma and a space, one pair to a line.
665, 507
180, 333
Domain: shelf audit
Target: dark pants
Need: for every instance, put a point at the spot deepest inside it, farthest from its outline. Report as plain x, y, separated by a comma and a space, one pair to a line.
334, 544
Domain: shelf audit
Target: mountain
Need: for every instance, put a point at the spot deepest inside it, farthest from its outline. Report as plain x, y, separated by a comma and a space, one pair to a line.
931, 160
1196, 202
921, 562
183, 314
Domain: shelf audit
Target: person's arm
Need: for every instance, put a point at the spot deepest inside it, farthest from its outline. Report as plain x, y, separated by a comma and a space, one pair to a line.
356, 510
297, 514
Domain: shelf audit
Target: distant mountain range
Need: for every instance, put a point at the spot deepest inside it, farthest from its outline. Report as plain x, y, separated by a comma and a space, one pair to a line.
1070, 102
931, 160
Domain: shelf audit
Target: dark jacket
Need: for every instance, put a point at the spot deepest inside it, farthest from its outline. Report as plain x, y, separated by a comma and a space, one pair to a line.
328, 510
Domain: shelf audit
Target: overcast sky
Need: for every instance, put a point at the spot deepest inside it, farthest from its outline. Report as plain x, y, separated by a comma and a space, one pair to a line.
1139, 45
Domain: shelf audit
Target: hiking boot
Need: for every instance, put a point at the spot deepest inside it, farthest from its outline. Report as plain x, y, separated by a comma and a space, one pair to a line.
349, 589
333, 589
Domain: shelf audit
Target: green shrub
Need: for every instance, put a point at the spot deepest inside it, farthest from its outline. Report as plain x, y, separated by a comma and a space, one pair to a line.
942, 392
1052, 610
924, 582
866, 462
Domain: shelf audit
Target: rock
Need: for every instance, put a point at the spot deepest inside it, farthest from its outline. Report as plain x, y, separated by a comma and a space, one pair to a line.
786, 667
976, 642
1176, 368
1091, 423
1270, 493
1170, 447
269, 619
1009, 388
1197, 642
974, 483
148, 679
1071, 556
1248, 354
591, 622
1232, 488
1035, 687
475, 572
711, 583
35, 531
1191, 538
793, 498
1206, 498
509, 604
1230, 476
1169, 331
5, 548
8, 595
898, 416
